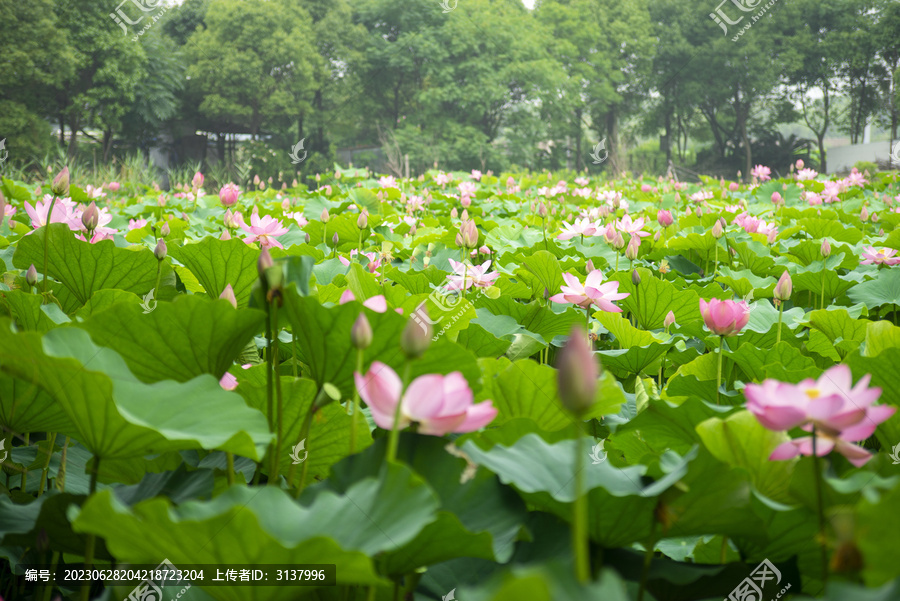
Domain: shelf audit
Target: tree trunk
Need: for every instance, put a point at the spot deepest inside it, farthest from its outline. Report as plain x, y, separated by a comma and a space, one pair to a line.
300, 127
668, 136
579, 160
742, 115
62, 130
107, 144
73, 139
220, 149
612, 145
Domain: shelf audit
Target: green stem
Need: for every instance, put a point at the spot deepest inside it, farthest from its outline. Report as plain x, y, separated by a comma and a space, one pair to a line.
820, 509
716, 260
47, 239
719, 370
617, 260
91, 541
780, 312
229, 457
44, 472
587, 324
158, 277
270, 382
394, 437
54, 561
822, 302
355, 406
294, 352
304, 434
648, 559
544, 232
61, 474
278, 395
25, 471
580, 517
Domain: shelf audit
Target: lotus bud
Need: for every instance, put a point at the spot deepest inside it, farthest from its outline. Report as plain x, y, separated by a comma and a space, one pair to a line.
631, 252
619, 242
669, 320
635, 278
197, 182
553, 211
335, 239
256, 180
31, 276
225, 235
783, 287
228, 294
324, 216
657, 236
874, 217
799, 163
90, 217
416, 337
469, 232
664, 218
533, 207
60, 185
160, 251
590, 266
718, 230
361, 333
777, 198
864, 214
362, 222
542, 210
465, 215
772, 236
165, 230
577, 373
454, 213
307, 237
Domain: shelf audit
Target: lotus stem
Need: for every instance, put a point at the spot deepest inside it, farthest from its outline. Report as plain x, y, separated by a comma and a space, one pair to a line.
61, 474
820, 509
587, 324
270, 370
91, 541
229, 457
822, 302
44, 472
304, 434
25, 471
278, 395
47, 240
580, 543
355, 406
394, 438
780, 312
719, 370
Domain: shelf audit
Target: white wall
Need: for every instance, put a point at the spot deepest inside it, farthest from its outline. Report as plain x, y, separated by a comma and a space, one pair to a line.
842, 158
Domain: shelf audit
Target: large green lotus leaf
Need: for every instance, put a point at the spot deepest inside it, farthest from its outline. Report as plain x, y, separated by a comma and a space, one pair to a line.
554, 581
702, 243
265, 526
329, 435
829, 228
178, 341
104, 299
883, 290
754, 256
633, 360
26, 407
533, 317
782, 362
695, 379
115, 415
744, 282
84, 268
886, 376
880, 336
626, 334
20, 523
217, 263
541, 271
740, 441
655, 298
323, 343
30, 312
528, 389
877, 529
837, 324
481, 342
661, 427
621, 505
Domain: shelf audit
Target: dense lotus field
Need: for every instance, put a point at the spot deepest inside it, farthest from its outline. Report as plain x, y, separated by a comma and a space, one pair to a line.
460, 386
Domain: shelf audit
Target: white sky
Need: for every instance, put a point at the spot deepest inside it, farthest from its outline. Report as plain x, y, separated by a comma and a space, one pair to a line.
528, 3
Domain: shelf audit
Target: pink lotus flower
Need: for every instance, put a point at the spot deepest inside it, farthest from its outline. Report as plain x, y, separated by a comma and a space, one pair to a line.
592, 292
840, 413
374, 260
646, 188
197, 182
761, 172
581, 227
441, 179
581, 181
439, 404
387, 181
64, 211
806, 174
881, 256
855, 178
627, 226
476, 174
725, 317
467, 275
813, 199
229, 194
664, 218
228, 382
734, 187
113, 186
264, 231
376, 303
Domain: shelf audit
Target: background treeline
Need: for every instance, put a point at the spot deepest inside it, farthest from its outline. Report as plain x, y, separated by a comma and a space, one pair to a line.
487, 85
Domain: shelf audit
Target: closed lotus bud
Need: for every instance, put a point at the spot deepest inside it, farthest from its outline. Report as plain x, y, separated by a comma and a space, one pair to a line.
825, 250
325, 216
717, 230
864, 214
335, 239
657, 236
619, 242
590, 266
533, 207
454, 213
577, 373
225, 235
469, 232
361, 333
60, 185
669, 320
465, 215
362, 221
459, 240
307, 237
553, 211
783, 287
31, 276
631, 252
416, 337
542, 210
664, 218
772, 236
777, 198
799, 163
160, 251
874, 217
412, 230
635, 278
264, 263
90, 217
165, 230
228, 294
197, 182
